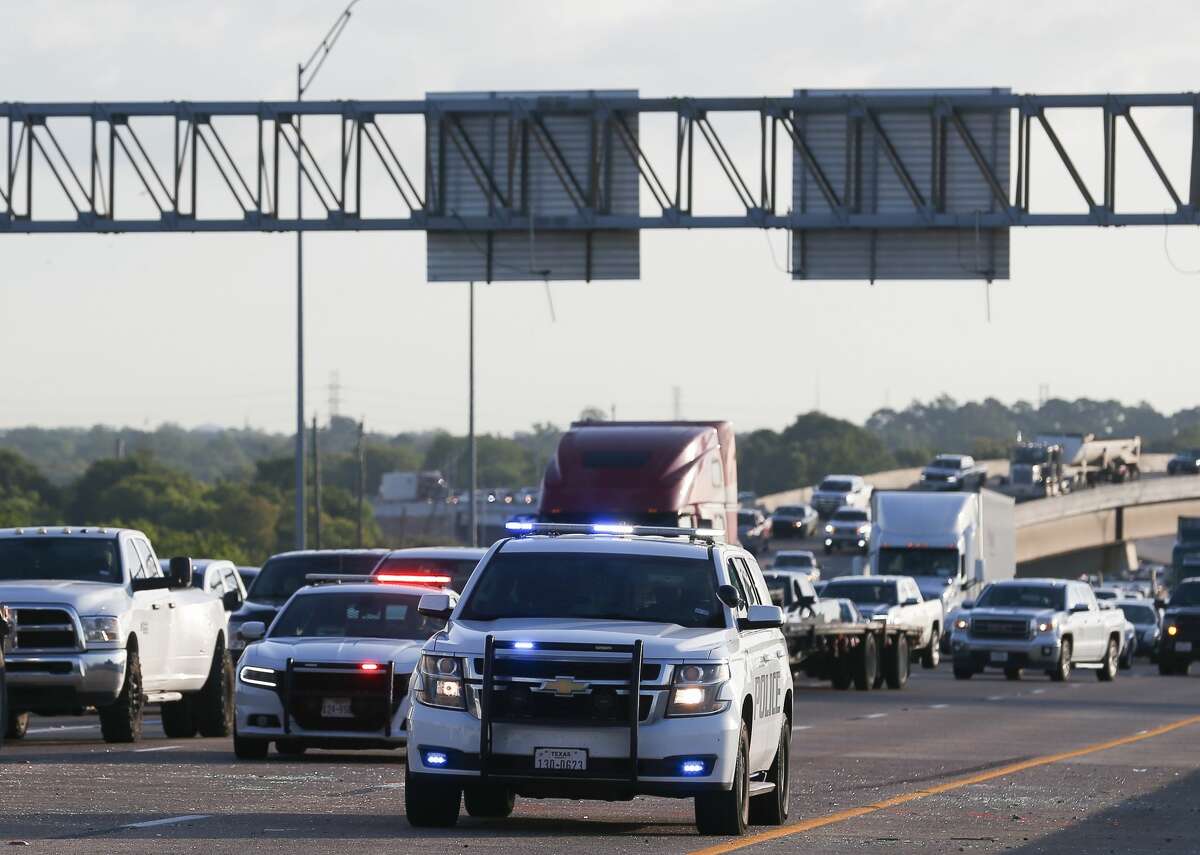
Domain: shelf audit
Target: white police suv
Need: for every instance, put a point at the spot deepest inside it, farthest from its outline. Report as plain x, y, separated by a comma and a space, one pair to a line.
604, 662
332, 671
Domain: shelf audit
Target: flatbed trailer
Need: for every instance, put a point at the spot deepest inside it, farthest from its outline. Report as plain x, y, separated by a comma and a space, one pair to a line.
867, 655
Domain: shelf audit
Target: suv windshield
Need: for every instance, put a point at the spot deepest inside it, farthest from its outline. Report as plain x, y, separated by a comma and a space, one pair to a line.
1140, 614
862, 592
791, 511
946, 463
458, 569
284, 575
597, 586
357, 615
74, 559
834, 486
1023, 597
898, 561
1186, 595
850, 516
785, 560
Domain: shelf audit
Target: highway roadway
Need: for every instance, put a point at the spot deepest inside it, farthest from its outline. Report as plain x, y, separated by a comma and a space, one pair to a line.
941, 766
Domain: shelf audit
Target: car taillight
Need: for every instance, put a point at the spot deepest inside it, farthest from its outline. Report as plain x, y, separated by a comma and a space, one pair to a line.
369, 666
413, 579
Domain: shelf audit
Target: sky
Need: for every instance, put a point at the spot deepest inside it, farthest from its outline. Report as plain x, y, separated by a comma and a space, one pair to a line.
199, 329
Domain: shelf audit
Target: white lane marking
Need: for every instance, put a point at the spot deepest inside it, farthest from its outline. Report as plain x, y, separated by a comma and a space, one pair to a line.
171, 820
62, 727
1038, 692
994, 698
876, 715
159, 748
802, 727
938, 706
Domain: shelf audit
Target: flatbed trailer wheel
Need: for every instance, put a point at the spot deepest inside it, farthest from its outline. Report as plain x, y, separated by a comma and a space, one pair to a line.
843, 672
866, 663
896, 663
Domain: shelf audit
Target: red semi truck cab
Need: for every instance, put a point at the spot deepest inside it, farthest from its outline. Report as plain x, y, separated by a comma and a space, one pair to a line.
644, 473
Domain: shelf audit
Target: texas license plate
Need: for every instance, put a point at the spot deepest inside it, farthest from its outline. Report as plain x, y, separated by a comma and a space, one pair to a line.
1183, 647
560, 759
336, 708
999, 657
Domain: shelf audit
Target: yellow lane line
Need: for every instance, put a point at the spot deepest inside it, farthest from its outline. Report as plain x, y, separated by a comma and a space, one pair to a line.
956, 784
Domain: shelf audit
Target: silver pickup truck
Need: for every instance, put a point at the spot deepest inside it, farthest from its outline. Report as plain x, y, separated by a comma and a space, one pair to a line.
1048, 624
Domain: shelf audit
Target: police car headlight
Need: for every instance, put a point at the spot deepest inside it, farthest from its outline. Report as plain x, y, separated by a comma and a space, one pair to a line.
101, 631
440, 682
253, 675
696, 688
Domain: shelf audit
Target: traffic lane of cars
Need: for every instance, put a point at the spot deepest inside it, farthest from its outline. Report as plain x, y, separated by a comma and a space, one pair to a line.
850, 748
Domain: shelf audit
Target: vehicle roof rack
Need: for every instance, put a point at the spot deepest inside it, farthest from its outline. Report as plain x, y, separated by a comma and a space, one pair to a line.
553, 529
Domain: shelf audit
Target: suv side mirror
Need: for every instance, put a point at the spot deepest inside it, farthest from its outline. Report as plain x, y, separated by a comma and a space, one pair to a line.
179, 571
1080, 607
232, 600
437, 605
252, 630
911, 601
729, 595
761, 617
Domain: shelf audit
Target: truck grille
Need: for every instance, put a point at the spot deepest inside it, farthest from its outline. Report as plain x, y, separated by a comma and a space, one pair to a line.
996, 628
517, 702
548, 669
367, 692
1189, 627
44, 629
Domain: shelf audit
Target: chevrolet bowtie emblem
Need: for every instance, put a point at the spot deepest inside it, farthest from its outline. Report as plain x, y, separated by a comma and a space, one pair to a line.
564, 687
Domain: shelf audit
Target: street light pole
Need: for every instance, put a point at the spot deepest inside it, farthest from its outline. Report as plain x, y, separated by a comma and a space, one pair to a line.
318, 56
473, 517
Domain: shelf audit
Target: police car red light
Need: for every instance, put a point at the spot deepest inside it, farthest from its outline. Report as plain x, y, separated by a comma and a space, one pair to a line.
413, 579
369, 666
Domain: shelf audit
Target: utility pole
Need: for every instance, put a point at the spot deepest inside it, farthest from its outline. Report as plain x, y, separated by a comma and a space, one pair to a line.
316, 466
362, 483
318, 56
473, 516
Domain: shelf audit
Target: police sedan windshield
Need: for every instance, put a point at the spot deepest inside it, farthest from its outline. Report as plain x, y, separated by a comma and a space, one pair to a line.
597, 586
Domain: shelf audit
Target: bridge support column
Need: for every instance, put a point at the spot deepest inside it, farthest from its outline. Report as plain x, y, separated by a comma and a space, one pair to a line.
1110, 561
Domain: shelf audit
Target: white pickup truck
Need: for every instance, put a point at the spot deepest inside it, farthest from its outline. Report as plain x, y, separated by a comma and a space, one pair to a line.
896, 600
98, 623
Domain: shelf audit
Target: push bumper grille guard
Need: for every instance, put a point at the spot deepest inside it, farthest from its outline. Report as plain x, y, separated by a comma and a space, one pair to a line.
487, 719
289, 682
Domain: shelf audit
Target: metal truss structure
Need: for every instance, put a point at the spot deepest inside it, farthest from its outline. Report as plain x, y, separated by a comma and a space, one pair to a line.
90, 154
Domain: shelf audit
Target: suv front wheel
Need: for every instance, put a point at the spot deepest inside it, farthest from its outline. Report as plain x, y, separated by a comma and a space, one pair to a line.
728, 812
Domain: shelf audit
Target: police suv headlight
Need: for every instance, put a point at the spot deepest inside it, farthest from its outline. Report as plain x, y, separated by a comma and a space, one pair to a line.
101, 631
440, 683
253, 675
696, 688
1172, 630
961, 623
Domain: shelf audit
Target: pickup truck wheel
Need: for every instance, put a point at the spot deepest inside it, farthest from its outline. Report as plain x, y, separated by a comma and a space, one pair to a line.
866, 663
1012, 673
727, 812
1108, 665
249, 749
430, 803
489, 801
178, 719
931, 656
214, 702
1062, 671
772, 808
963, 672
121, 721
18, 725
1126, 660
896, 662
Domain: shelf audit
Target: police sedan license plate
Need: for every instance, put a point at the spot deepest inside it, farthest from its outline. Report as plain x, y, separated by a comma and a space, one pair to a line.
336, 708
999, 657
560, 759
1183, 647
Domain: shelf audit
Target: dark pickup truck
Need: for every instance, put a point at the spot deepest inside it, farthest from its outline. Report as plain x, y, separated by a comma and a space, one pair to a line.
953, 473
5, 631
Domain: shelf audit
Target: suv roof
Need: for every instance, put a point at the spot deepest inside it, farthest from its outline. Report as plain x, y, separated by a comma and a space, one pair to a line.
640, 545
1047, 583
381, 551
71, 530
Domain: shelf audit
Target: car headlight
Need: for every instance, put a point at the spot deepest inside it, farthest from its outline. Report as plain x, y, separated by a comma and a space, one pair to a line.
1172, 630
696, 690
951, 479
440, 683
1046, 626
101, 631
253, 675
829, 529
863, 529
961, 623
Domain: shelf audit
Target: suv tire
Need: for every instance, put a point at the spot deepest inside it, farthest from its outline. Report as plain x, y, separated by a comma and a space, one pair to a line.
727, 812
931, 656
290, 747
489, 801
963, 672
121, 721
772, 808
178, 718
1061, 672
17, 725
213, 704
866, 663
429, 802
1108, 665
896, 663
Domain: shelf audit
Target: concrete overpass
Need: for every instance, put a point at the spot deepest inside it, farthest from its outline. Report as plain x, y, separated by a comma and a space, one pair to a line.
1086, 532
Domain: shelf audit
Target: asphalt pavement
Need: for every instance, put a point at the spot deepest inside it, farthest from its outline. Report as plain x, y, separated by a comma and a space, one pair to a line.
940, 766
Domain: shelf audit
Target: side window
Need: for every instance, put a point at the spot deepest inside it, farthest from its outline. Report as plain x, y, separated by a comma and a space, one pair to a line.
805, 588
1088, 597
735, 579
214, 582
718, 477
913, 592
130, 558
150, 568
758, 594
229, 580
